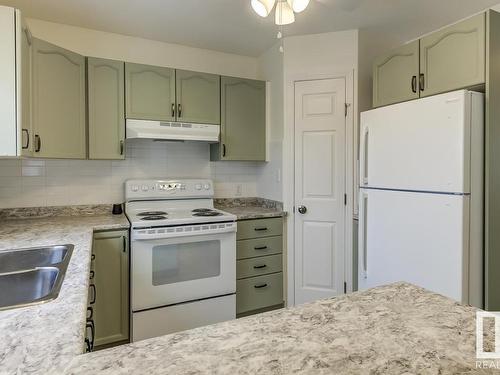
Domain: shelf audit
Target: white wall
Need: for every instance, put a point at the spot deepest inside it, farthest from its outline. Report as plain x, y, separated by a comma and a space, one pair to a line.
121, 47
50, 182
269, 182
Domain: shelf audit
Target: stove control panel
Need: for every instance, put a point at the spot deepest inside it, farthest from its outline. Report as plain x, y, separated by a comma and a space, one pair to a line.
168, 189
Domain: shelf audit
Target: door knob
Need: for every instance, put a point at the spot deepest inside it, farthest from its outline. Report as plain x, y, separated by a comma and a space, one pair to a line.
302, 209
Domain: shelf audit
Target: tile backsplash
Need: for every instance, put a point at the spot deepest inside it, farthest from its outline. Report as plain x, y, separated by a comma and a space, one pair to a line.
52, 182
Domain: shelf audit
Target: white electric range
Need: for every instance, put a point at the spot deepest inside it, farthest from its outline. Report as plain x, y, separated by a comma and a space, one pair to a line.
183, 257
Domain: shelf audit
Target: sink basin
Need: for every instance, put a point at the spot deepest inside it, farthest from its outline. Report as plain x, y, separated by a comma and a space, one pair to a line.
32, 276
26, 259
27, 287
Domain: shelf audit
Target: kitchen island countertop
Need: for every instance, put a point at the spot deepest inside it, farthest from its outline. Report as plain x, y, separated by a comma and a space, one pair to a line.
393, 329
43, 338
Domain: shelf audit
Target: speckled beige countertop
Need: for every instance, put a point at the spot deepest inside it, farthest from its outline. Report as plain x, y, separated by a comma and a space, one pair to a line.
250, 208
42, 339
396, 329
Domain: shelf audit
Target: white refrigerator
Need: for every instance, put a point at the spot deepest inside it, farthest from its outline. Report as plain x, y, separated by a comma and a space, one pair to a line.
421, 195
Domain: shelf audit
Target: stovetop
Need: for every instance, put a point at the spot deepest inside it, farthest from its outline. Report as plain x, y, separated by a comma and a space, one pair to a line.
141, 216
159, 203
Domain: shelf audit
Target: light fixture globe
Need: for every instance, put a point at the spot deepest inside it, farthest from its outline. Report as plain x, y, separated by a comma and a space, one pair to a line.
298, 5
284, 14
263, 7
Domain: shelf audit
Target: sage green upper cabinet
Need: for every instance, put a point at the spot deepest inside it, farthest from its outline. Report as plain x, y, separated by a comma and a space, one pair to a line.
243, 120
453, 57
26, 59
395, 75
149, 92
111, 270
106, 110
58, 102
198, 97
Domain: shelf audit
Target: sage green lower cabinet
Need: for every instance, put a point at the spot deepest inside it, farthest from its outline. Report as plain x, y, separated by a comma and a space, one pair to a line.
59, 105
243, 121
111, 267
198, 97
259, 265
259, 228
260, 292
454, 57
395, 75
149, 92
106, 108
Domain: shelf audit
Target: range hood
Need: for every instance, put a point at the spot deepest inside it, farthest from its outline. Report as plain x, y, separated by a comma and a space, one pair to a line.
172, 131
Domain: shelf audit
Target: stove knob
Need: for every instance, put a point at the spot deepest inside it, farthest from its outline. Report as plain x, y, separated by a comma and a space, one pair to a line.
207, 187
198, 187
134, 188
145, 188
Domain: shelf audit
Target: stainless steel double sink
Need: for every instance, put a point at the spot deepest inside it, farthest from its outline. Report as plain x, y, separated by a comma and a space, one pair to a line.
32, 276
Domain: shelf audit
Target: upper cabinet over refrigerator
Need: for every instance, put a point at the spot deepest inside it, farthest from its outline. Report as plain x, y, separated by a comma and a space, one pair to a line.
407, 148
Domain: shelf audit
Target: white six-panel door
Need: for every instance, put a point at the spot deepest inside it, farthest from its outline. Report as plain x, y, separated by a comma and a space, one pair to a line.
320, 137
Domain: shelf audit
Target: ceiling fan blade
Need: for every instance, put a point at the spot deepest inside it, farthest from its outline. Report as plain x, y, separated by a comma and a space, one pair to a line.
344, 5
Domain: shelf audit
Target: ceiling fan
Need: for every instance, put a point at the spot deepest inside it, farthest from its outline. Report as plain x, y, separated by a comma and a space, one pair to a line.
286, 9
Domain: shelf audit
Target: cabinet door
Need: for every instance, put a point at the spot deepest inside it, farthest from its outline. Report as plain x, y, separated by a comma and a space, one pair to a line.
106, 109
198, 97
58, 102
26, 124
454, 57
111, 267
243, 120
395, 75
149, 92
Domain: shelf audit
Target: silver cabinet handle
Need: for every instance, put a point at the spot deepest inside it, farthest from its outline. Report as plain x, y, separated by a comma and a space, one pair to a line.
223, 150
302, 209
260, 248
124, 244
422, 81
121, 147
38, 143
260, 286
173, 110
261, 229
94, 294
260, 266
414, 84
179, 110
26, 131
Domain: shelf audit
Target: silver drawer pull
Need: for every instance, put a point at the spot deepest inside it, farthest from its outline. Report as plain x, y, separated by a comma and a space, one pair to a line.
260, 286
260, 266
260, 229
260, 248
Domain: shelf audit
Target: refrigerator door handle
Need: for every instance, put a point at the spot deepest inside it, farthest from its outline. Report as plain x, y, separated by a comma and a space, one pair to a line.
363, 256
365, 156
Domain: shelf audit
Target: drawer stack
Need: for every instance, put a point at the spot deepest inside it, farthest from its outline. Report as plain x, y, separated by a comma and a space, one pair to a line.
259, 265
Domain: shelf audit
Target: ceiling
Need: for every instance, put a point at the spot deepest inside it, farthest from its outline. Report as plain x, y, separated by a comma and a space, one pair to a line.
232, 26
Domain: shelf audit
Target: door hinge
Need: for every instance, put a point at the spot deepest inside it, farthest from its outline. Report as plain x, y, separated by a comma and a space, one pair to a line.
345, 199
347, 105
345, 287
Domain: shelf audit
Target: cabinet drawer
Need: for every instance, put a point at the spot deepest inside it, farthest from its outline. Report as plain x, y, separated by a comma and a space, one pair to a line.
259, 228
258, 266
258, 247
259, 292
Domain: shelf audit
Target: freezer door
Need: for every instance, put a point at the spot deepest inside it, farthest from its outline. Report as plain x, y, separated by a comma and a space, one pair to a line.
419, 238
421, 145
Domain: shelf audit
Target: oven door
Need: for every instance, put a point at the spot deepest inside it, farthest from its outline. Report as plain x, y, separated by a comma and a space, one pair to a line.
174, 270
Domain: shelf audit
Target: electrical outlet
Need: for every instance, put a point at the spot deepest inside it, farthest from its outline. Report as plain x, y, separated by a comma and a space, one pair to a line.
239, 190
